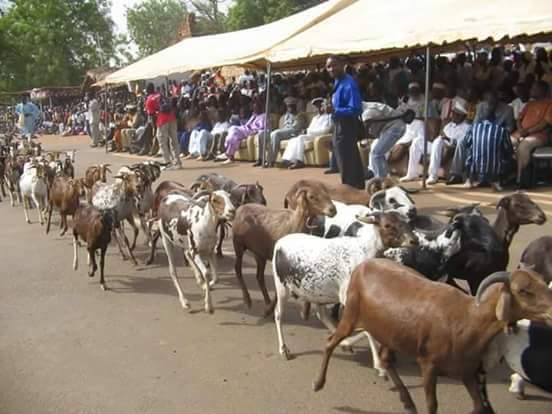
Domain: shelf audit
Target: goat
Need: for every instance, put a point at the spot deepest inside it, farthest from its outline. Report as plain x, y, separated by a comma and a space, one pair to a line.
94, 227
397, 306
537, 255
485, 248
64, 195
381, 194
191, 224
14, 170
240, 194
34, 189
121, 198
429, 257
317, 270
257, 228
96, 173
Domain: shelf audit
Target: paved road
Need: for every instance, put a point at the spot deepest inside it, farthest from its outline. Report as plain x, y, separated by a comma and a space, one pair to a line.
68, 347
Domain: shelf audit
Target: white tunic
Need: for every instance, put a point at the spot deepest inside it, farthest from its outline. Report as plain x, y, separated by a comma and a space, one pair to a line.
320, 125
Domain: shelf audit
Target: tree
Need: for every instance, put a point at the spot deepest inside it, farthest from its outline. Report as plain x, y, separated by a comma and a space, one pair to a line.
154, 24
249, 13
53, 42
209, 17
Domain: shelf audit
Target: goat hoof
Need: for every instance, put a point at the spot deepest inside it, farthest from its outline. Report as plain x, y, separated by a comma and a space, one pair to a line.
520, 395
212, 283
219, 254
317, 385
104, 287
28, 221
61, 234
209, 309
285, 353
185, 304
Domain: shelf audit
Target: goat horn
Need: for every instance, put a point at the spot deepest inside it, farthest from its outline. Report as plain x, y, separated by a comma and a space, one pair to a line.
374, 196
496, 277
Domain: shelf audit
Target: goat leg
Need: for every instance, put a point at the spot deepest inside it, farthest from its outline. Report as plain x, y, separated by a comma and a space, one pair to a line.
477, 388
261, 264
222, 233
127, 246
135, 229
26, 209
102, 263
144, 226
213, 266
153, 246
281, 298
49, 221
92, 266
75, 251
429, 375
118, 241
169, 250
387, 357
305, 311
238, 252
63, 224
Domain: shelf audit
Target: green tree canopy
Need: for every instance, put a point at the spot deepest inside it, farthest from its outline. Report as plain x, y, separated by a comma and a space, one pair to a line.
154, 24
249, 13
53, 42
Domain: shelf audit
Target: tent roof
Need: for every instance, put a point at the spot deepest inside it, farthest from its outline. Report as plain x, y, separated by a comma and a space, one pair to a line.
387, 26
224, 49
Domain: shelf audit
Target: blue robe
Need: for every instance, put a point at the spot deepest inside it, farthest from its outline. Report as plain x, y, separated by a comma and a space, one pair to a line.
31, 113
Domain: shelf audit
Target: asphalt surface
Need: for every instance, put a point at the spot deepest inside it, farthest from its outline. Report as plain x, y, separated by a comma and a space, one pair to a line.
68, 347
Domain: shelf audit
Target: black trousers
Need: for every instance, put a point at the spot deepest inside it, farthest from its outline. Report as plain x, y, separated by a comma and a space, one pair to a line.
346, 152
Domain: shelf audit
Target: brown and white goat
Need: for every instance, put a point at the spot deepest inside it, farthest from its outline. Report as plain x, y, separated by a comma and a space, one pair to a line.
64, 195
257, 228
398, 307
94, 227
93, 174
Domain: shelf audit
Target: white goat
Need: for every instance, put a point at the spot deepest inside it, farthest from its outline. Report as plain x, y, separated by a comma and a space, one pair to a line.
33, 187
192, 225
318, 270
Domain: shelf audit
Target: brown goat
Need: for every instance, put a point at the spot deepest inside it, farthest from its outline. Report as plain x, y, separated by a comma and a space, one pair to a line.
64, 195
94, 227
446, 331
96, 173
341, 192
258, 228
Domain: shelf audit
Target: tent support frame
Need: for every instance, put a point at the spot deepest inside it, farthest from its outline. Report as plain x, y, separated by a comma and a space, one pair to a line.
266, 133
425, 157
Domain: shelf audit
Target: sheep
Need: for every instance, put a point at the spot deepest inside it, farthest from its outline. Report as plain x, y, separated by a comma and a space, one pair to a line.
398, 307
485, 248
239, 194
537, 255
34, 187
191, 225
121, 197
94, 227
64, 195
317, 270
381, 194
257, 228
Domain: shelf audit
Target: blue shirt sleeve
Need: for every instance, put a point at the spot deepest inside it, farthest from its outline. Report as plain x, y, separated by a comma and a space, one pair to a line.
348, 102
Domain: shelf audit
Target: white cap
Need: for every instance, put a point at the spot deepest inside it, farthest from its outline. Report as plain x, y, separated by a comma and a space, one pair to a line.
460, 105
413, 85
439, 85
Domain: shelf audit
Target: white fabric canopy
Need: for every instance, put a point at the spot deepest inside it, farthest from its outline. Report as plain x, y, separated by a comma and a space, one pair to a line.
224, 49
387, 25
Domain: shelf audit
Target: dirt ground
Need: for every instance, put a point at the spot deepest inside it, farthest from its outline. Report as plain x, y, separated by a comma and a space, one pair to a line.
68, 347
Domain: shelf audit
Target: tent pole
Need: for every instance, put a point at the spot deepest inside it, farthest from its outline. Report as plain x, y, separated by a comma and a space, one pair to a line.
106, 118
266, 134
426, 109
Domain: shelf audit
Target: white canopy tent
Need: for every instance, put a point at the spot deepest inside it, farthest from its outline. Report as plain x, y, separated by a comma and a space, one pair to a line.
390, 26
225, 49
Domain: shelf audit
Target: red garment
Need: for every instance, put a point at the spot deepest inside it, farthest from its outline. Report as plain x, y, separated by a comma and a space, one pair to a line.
152, 108
152, 103
176, 90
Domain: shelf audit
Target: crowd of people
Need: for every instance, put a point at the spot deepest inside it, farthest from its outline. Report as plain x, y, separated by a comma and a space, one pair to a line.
488, 110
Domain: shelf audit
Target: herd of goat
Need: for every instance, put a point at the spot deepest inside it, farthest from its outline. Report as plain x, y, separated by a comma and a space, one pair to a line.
369, 262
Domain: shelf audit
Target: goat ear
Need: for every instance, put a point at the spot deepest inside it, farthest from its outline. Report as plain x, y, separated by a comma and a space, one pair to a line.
525, 266
504, 306
504, 202
369, 219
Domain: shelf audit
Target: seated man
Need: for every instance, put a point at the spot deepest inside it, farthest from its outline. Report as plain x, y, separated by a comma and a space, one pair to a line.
255, 124
387, 125
135, 121
452, 133
219, 132
501, 113
200, 138
533, 126
291, 125
489, 152
321, 124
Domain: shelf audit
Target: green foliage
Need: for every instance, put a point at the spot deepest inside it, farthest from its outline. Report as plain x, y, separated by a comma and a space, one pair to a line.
209, 18
249, 13
53, 42
154, 24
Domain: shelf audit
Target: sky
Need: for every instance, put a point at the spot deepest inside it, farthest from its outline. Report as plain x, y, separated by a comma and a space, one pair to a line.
118, 13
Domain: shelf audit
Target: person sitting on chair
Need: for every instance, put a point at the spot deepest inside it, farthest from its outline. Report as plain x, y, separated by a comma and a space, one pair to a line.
321, 124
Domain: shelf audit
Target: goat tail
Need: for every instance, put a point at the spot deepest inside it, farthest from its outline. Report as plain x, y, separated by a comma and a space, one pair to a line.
269, 310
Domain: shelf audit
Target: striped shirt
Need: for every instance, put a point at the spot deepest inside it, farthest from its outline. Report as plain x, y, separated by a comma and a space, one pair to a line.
490, 152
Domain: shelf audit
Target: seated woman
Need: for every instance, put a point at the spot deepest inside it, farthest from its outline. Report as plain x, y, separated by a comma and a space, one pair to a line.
236, 134
321, 124
200, 138
219, 132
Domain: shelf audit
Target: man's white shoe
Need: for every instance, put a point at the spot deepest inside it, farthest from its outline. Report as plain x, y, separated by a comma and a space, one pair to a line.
432, 181
407, 179
497, 187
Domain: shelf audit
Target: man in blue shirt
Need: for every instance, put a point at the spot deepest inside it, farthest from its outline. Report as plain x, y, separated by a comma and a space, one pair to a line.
347, 106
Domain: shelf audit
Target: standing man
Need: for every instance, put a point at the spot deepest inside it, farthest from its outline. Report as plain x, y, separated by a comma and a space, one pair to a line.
347, 106
28, 114
93, 116
167, 132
